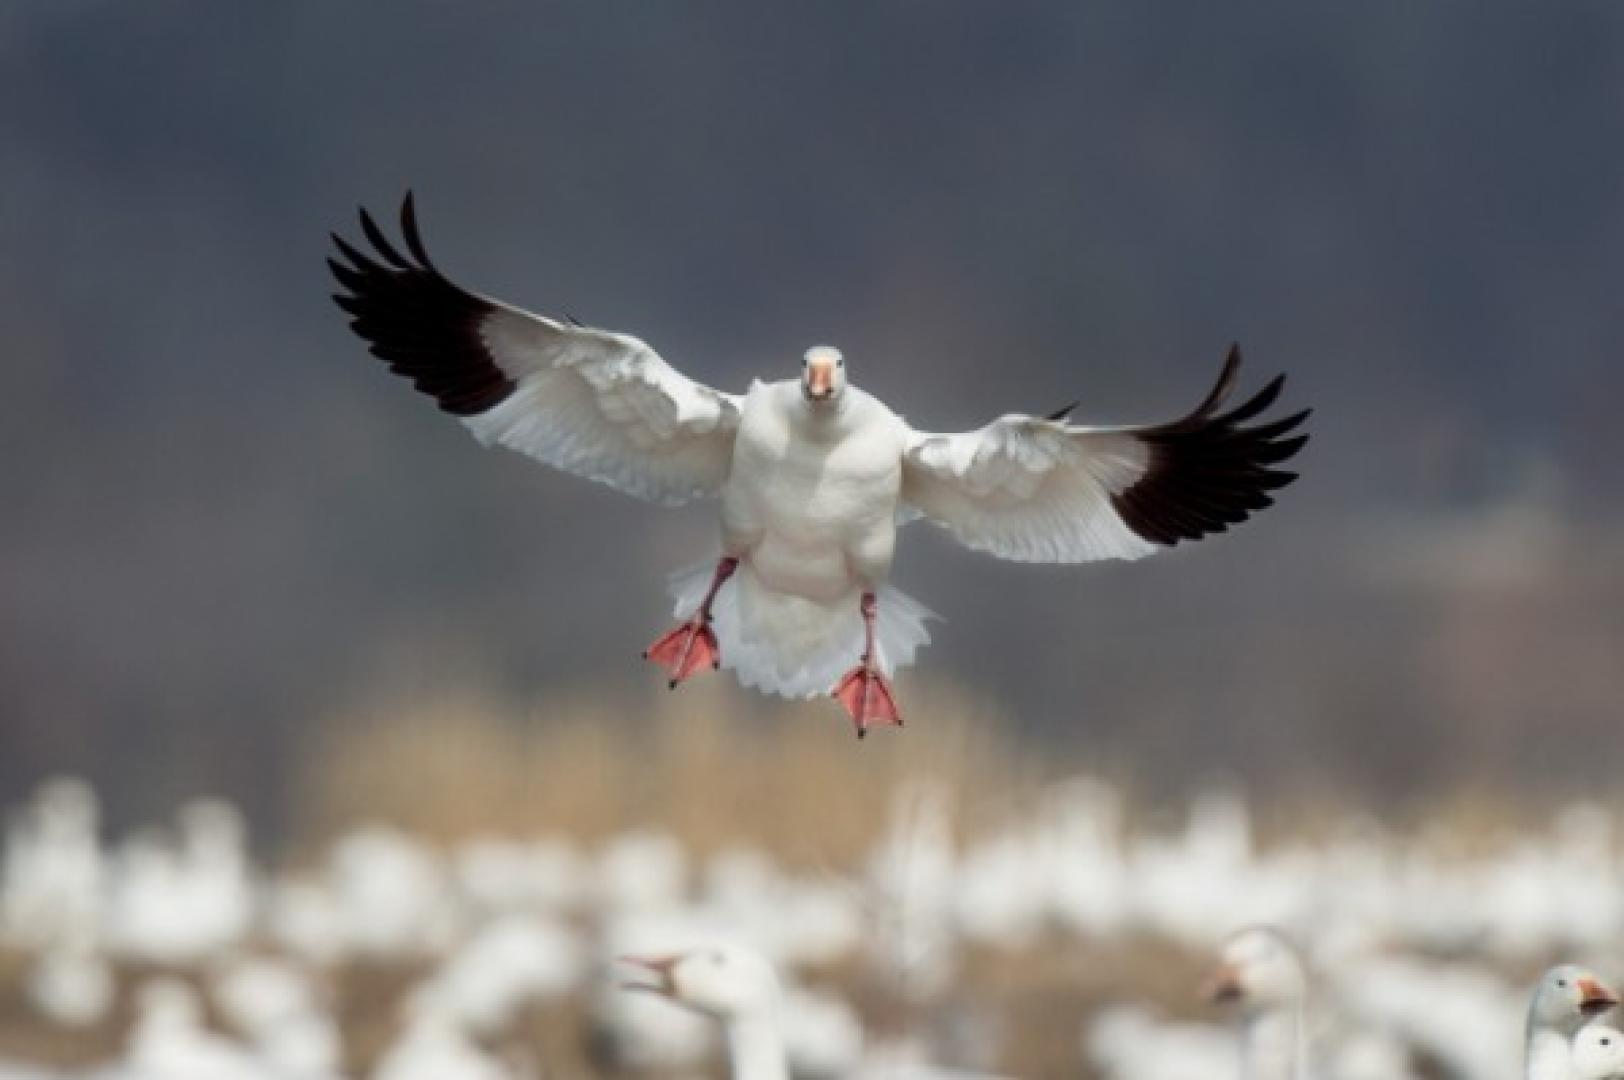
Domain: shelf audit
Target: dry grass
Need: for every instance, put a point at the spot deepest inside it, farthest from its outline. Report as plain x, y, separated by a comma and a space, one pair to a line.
789, 778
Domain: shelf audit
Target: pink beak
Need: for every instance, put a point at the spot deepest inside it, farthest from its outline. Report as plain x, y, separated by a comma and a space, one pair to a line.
820, 378
1222, 986
1594, 997
660, 966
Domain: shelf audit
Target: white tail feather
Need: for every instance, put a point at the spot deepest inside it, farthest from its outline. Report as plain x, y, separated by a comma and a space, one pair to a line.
793, 646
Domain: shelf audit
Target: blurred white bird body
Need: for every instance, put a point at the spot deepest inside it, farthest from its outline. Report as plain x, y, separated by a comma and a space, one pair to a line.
434, 1046
1598, 1053
52, 875
1125, 1042
170, 1041
72, 985
813, 474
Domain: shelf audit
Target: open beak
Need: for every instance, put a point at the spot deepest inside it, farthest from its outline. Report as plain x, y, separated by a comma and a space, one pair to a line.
1223, 986
820, 379
660, 967
1594, 997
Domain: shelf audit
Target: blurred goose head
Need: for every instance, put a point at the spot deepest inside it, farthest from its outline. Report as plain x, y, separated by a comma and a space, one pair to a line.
722, 981
1598, 1053
1258, 971
733, 986
1566, 997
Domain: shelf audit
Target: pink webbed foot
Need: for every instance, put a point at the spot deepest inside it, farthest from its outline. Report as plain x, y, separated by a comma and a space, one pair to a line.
686, 651
868, 698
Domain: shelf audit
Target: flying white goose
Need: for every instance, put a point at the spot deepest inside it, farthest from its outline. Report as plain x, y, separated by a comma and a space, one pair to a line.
813, 474
1566, 998
1598, 1053
1260, 973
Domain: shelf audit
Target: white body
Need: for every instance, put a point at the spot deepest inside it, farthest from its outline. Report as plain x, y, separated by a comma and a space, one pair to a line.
810, 509
811, 498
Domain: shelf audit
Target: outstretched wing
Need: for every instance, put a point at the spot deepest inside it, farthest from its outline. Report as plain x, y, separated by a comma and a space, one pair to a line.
1043, 490
598, 404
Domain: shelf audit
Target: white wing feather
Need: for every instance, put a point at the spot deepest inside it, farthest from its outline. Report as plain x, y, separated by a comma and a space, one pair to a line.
606, 406
1028, 489
598, 404
1042, 490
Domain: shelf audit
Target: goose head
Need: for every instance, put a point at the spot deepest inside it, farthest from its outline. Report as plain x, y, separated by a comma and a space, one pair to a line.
1566, 997
1598, 1053
722, 981
1258, 971
823, 376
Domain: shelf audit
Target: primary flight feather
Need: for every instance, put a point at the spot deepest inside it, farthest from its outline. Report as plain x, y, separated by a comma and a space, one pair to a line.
813, 474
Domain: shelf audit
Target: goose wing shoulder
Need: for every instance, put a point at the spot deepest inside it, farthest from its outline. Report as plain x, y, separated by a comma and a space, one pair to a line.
1037, 489
590, 402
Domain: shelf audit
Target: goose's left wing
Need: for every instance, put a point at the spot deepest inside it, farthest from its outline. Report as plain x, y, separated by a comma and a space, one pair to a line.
599, 404
1043, 490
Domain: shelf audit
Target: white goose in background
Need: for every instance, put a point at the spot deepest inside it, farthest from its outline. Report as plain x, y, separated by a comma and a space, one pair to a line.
1598, 1053
1127, 1042
735, 987
282, 1012
72, 984
1566, 998
1261, 975
53, 874
813, 474
170, 1041
767, 1027
433, 1045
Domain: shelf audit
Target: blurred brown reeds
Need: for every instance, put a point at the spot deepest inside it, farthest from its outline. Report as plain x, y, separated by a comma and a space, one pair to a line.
712, 765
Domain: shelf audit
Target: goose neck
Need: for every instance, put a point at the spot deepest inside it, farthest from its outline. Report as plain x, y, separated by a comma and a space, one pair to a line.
756, 1048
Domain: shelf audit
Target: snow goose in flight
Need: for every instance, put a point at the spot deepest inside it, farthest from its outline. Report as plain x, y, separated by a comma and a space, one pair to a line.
1566, 998
813, 474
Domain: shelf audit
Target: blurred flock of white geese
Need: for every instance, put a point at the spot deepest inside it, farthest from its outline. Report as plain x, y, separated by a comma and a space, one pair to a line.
1415, 955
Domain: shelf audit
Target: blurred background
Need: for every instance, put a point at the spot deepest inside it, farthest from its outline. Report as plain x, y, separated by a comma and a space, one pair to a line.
238, 560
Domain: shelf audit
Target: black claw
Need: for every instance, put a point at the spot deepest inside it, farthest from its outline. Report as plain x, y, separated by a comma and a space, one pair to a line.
672, 685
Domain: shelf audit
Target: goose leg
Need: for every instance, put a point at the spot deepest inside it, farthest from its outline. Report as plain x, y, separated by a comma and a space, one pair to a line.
864, 690
691, 647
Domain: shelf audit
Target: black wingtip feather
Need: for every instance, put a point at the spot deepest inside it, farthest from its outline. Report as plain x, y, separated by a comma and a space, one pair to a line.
377, 239
423, 326
408, 229
1207, 472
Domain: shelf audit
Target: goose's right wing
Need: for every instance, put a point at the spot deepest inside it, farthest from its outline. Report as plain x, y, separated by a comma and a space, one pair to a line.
591, 402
